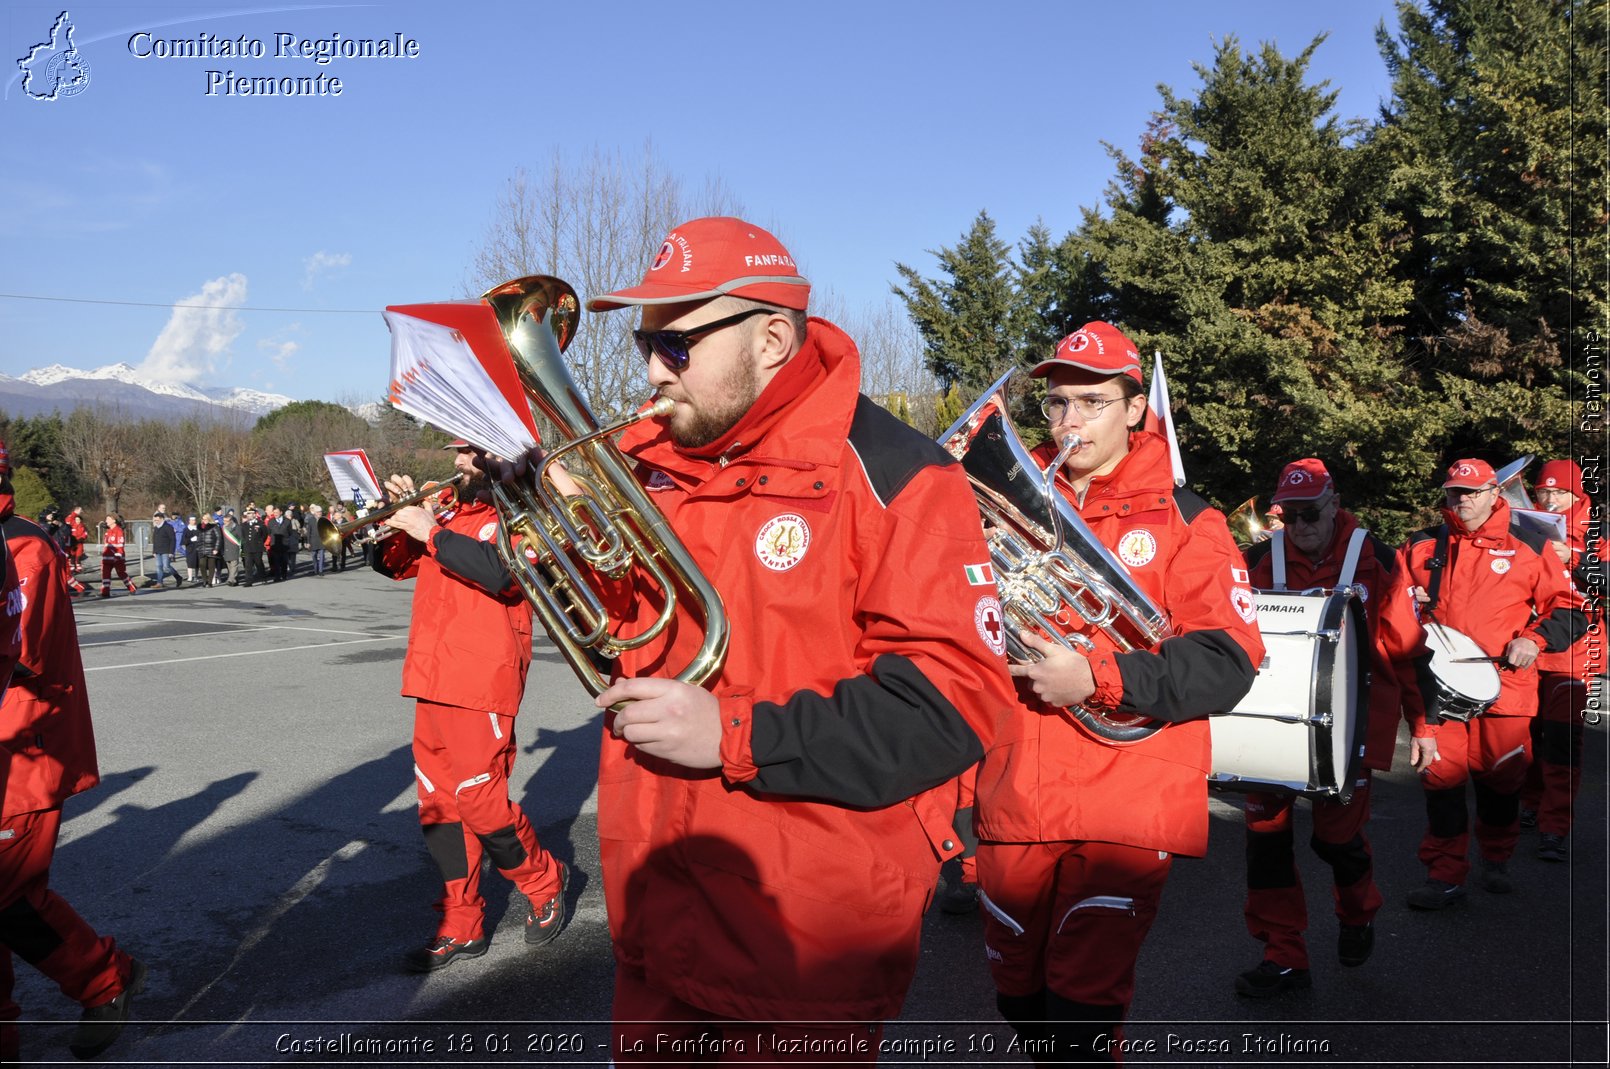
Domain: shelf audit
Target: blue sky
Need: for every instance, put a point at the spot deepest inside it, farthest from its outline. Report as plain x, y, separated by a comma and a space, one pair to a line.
864, 132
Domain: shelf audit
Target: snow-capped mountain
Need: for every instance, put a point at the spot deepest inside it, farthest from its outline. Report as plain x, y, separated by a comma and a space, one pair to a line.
119, 386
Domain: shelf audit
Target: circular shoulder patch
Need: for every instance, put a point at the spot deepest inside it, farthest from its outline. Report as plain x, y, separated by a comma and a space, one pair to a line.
782, 541
1137, 547
1500, 565
1245, 606
488, 532
991, 623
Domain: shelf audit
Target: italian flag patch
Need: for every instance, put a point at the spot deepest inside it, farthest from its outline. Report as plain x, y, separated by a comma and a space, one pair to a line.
980, 575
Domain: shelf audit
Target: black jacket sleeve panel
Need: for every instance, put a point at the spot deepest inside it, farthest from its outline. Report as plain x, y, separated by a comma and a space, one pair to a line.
1561, 628
878, 739
1186, 677
472, 560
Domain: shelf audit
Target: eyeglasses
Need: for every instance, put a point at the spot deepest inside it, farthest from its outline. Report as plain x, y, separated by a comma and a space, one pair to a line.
1309, 515
1056, 408
671, 346
1458, 492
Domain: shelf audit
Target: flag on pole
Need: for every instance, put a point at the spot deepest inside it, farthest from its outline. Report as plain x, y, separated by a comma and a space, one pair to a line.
1160, 418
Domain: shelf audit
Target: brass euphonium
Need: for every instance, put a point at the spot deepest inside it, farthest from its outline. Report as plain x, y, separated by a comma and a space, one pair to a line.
1049, 566
610, 529
1246, 525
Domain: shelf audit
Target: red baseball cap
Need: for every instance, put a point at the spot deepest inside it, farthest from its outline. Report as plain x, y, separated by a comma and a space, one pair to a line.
1099, 347
1560, 475
1303, 480
458, 443
717, 256
1470, 474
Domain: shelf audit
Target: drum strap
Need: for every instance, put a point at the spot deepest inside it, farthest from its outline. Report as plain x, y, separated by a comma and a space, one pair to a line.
1435, 565
1277, 558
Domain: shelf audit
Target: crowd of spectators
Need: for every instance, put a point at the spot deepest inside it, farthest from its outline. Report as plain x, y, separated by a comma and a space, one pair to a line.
263, 544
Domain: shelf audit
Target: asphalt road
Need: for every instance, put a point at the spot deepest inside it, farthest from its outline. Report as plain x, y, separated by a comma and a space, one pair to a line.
254, 842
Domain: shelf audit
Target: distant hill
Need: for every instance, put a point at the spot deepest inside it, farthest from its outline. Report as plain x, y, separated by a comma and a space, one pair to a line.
119, 388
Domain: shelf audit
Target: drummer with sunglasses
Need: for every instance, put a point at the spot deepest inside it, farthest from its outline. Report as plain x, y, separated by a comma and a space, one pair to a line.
1505, 589
1321, 546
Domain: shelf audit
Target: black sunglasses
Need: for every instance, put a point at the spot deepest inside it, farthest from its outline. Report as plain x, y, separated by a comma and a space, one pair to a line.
1308, 515
671, 346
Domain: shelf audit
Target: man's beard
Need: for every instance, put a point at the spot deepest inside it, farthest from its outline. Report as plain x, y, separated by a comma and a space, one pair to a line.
737, 393
476, 487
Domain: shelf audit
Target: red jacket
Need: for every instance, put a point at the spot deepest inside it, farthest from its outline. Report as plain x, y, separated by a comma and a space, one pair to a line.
470, 643
1048, 779
44, 718
863, 671
112, 546
1500, 583
1398, 641
1586, 657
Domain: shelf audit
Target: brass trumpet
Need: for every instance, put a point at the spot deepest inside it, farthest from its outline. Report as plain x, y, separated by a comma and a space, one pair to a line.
331, 535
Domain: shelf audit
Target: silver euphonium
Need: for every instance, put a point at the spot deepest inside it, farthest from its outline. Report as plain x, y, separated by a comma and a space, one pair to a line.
611, 529
1052, 573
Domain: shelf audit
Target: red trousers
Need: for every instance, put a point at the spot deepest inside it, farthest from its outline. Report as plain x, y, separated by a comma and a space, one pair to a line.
654, 1027
111, 566
38, 926
1492, 753
1069, 917
462, 759
1557, 736
1276, 911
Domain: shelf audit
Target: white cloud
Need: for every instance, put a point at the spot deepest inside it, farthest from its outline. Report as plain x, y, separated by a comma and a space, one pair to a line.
320, 262
280, 349
199, 332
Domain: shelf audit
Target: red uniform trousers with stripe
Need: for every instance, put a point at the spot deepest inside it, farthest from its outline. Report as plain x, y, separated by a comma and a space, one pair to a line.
462, 759
1492, 753
1557, 737
1276, 911
38, 926
656, 1028
1084, 909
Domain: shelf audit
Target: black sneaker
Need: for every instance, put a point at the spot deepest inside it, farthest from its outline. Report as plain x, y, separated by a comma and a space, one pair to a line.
1551, 847
542, 923
1269, 979
441, 951
1436, 894
1528, 818
1495, 877
1354, 944
99, 1026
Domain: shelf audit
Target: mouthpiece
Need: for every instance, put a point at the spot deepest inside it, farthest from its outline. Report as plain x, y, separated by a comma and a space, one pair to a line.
1071, 442
662, 407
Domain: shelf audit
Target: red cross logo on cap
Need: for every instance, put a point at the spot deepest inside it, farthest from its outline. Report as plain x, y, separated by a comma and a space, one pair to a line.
1296, 476
663, 257
1079, 342
1464, 470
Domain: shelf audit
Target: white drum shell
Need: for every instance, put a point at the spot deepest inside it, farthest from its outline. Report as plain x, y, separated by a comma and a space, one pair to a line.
1301, 728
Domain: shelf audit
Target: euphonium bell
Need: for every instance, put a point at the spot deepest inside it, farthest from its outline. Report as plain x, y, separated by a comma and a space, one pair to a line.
611, 529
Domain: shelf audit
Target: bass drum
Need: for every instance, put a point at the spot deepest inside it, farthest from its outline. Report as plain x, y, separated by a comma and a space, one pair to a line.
1301, 728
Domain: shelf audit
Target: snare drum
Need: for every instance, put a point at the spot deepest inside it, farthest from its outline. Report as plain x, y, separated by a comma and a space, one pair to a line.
1466, 675
1301, 727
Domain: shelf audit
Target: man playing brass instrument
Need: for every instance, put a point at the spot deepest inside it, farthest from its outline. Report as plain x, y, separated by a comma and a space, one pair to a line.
1315, 549
469, 646
1076, 834
770, 841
